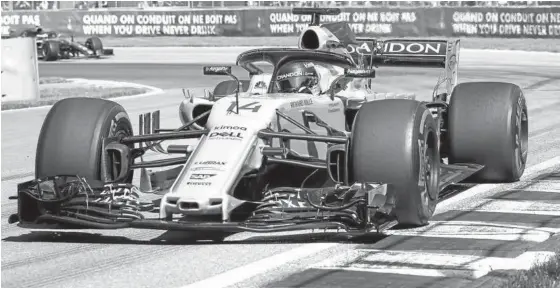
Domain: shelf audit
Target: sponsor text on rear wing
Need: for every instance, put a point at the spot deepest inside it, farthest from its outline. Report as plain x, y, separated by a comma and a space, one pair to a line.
406, 52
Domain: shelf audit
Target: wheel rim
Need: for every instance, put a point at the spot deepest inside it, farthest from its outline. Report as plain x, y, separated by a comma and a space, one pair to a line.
428, 173
521, 136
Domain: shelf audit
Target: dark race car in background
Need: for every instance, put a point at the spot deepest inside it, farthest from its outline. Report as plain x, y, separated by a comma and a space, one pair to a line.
53, 46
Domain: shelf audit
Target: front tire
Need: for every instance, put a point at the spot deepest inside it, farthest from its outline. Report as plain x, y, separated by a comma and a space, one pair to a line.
394, 141
95, 45
70, 141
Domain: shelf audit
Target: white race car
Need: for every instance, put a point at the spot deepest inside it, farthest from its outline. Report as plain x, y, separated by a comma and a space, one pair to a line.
289, 153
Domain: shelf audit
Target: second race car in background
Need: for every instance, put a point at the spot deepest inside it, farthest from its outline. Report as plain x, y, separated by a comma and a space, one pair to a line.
53, 46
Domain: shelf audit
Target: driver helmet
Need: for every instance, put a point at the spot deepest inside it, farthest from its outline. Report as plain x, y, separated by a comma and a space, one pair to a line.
299, 77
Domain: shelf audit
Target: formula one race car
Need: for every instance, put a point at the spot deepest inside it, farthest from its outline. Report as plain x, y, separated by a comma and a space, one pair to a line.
298, 152
52, 46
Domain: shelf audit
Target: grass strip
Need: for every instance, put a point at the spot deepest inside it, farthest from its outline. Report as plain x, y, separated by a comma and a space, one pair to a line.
53, 93
543, 275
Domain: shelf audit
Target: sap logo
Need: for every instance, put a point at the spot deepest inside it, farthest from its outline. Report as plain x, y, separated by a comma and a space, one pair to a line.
201, 176
223, 127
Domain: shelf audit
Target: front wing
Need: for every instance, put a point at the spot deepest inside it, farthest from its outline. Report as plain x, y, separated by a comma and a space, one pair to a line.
360, 209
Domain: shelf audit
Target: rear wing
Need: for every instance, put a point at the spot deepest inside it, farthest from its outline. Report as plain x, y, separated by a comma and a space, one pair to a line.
405, 52
428, 53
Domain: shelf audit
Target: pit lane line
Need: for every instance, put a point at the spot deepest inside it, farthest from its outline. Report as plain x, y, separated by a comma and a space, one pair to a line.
239, 274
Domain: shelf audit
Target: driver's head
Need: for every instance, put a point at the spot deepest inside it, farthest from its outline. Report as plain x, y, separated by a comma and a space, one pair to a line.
296, 77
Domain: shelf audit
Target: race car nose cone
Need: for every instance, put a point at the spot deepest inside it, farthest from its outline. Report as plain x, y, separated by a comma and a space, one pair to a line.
208, 206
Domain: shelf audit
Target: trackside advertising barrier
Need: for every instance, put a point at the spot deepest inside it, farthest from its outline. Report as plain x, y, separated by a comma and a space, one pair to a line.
20, 73
495, 22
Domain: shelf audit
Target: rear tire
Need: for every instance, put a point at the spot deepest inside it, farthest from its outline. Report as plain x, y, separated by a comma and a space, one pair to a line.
384, 147
70, 141
51, 50
488, 125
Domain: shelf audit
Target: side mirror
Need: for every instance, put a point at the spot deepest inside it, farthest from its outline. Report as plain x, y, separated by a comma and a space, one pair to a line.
225, 71
359, 73
341, 81
252, 69
217, 70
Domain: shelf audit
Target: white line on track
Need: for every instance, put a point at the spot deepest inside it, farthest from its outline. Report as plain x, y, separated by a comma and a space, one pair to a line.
429, 264
545, 186
239, 274
516, 206
479, 230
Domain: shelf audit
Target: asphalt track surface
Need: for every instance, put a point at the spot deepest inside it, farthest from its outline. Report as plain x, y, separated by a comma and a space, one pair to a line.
488, 227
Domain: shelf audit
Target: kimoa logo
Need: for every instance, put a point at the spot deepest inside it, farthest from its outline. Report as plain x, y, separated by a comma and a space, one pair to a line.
225, 127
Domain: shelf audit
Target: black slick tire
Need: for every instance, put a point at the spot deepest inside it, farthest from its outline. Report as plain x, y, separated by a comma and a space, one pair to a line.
70, 140
488, 125
95, 45
51, 50
394, 141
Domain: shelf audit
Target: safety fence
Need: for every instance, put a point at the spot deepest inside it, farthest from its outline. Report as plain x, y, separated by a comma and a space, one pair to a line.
495, 22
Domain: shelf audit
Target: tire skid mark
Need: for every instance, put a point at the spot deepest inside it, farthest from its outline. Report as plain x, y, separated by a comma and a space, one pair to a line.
17, 176
102, 264
7, 265
541, 109
541, 83
544, 130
